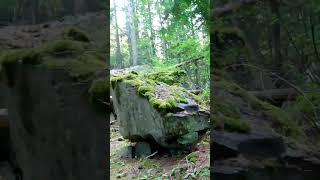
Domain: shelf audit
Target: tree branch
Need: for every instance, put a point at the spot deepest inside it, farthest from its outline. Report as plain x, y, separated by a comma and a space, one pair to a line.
189, 61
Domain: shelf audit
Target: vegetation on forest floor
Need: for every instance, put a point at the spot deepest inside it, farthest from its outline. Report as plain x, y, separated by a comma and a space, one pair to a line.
159, 167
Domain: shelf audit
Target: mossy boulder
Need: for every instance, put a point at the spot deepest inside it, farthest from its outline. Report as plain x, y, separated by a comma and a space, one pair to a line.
51, 105
152, 110
72, 56
280, 119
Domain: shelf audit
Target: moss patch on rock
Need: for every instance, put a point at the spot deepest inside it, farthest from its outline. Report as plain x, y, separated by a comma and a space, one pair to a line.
170, 77
98, 94
281, 120
63, 46
76, 34
227, 117
161, 95
72, 56
24, 55
231, 124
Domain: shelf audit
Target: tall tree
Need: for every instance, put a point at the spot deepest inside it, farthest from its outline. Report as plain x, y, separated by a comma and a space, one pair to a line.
118, 48
35, 11
152, 34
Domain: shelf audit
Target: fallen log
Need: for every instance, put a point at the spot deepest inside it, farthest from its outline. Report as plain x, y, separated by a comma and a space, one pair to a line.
276, 94
189, 61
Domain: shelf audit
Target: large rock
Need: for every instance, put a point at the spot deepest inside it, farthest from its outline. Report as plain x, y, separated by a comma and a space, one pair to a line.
142, 119
228, 144
273, 145
56, 133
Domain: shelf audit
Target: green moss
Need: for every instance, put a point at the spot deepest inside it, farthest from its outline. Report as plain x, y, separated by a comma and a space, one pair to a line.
155, 102
82, 67
114, 80
76, 34
231, 124
56, 55
284, 122
169, 115
167, 105
169, 77
134, 82
142, 90
148, 85
303, 103
23, 55
63, 46
130, 78
98, 94
179, 98
225, 108
281, 119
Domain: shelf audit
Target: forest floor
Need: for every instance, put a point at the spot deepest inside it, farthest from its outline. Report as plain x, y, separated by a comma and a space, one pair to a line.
160, 167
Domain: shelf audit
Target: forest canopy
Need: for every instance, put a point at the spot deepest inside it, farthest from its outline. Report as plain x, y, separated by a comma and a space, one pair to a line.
161, 33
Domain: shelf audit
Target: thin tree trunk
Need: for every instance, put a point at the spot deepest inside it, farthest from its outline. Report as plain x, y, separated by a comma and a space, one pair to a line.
276, 51
129, 31
163, 40
133, 34
314, 39
152, 35
35, 15
118, 49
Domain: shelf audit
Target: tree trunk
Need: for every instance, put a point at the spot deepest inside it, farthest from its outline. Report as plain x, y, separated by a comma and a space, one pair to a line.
275, 37
152, 35
35, 15
118, 49
133, 37
129, 31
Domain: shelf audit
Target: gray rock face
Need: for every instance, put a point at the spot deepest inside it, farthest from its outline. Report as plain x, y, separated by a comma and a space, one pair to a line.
140, 121
262, 154
55, 132
254, 145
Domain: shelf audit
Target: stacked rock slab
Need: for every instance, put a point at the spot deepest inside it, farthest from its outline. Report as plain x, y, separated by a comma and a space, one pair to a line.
55, 132
264, 151
139, 120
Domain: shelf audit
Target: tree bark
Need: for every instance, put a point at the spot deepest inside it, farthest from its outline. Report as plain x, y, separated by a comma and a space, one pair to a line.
118, 49
275, 37
133, 37
35, 11
152, 35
